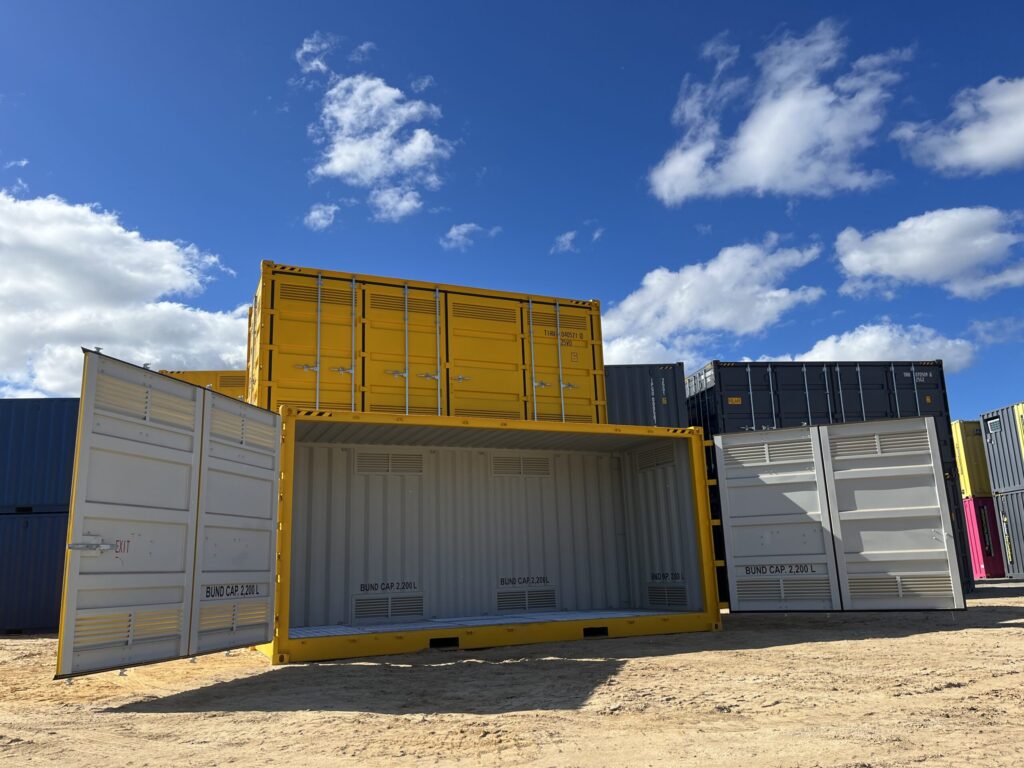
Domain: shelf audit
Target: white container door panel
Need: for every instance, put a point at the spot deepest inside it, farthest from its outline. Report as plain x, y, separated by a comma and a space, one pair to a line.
137, 504
890, 515
779, 546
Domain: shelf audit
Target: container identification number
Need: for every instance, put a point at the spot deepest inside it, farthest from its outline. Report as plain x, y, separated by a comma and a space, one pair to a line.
388, 586
227, 591
783, 568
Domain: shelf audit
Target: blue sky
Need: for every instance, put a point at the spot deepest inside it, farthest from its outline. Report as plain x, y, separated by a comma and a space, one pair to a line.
727, 146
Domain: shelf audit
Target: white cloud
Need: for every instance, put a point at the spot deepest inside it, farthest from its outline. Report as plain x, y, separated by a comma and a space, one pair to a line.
460, 236
19, 187
739, 291
597, 234
362, 51
311, 54
420, 84
890, 341
74, 276
564, 243
967, 251
803, 131
394, 203
320, 216
16, 163
372, 141
984, 134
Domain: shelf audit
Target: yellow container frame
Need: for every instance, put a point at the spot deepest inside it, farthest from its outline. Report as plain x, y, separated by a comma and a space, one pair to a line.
230, 383
285, 650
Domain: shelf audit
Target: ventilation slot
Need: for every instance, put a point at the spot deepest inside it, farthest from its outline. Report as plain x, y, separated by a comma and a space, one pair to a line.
214, 616
509, 602
389, 463
852, 447
574, 322
753, 590
667, 596
227, 425
530, 466
905, 442
308, 293
541, 600
487, 414
798, 450
145, 403
106, 629
746, 455
485, 312
365, 608
149, 625
390, 303
658, 456
423, 410
569, 418
937, 585
874, 587
817, 588
407, 605
231, 380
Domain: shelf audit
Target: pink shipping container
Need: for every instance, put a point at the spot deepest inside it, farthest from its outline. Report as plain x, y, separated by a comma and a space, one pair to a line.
983, 537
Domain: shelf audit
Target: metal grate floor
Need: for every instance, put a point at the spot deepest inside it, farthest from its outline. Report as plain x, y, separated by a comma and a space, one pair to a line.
333, 630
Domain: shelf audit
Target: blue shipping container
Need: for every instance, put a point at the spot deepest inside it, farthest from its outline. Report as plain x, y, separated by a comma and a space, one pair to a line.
37, 454
32, 550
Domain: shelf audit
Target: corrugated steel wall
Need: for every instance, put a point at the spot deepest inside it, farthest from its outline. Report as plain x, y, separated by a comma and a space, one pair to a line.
969, 444
31, 570
647, 395
1010, 511
37, 454
983, 535
1001, 431
467, 531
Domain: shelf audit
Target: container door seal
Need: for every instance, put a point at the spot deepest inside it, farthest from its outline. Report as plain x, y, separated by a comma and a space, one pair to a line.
169, 514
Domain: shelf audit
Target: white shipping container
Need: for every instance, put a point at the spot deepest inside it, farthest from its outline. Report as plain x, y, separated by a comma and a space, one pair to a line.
838, 517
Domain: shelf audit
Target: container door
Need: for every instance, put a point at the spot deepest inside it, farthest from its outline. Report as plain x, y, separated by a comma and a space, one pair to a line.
311, 364
890, 515
404, 350
485, 351
156, 479
565, 381
779, 546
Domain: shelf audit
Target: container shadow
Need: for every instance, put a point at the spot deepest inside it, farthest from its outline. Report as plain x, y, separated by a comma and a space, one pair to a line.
556, 676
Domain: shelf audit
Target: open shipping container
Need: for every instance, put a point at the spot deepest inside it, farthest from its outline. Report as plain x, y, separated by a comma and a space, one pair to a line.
230, 383
837, 517
325, 340
390, 533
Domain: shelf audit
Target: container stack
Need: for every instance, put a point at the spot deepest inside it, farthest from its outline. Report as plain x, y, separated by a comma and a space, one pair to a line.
737, 397
983, 535
37, 447
1003, 435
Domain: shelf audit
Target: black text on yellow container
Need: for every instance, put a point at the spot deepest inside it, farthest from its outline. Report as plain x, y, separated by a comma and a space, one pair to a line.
337, 341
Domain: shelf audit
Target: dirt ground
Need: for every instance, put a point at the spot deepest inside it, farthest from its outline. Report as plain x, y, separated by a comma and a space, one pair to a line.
800, 690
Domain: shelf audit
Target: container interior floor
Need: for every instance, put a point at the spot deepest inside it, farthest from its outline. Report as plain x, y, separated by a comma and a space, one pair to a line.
334, 630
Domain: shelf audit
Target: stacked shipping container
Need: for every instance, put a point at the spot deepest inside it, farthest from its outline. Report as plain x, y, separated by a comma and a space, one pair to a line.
728, 397
979, 508
646, 395
37, 447
1003, 433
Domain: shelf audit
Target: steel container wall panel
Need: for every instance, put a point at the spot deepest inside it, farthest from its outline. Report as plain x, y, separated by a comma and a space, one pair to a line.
1010, 514
649, 395
227, 383
32, 550
972, 467
334, 340
983, 534
37, 453
1003, 431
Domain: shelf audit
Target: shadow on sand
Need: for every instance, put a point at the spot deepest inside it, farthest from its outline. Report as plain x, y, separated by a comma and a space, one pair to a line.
550, 676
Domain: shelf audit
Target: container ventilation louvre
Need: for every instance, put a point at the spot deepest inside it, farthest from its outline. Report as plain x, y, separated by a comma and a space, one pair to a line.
389, 463
484, 312
517, 466
387, 607
667, 595
527, 600
880, 444
388, 302
659, 456
548, 320
232, 380
746, 455
797, 450
308, 293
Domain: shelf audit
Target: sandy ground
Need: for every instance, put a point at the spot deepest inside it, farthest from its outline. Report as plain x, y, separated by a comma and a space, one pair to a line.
801, 690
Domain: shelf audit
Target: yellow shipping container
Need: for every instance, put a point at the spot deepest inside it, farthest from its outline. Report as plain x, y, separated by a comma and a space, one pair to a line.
323, 340
230, 383
969, 445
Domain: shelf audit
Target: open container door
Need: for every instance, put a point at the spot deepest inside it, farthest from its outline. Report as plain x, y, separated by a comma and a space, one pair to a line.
172, 525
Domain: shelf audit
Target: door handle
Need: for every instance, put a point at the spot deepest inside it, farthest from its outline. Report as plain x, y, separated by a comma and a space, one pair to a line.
460, 379
92, 544
398, 374
432, 376
306, 367
342, 371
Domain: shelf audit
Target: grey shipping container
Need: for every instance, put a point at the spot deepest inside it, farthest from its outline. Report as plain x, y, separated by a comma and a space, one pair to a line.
1004, 450
1010, 515
727, 397
32, 550
37, 453
646, 395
